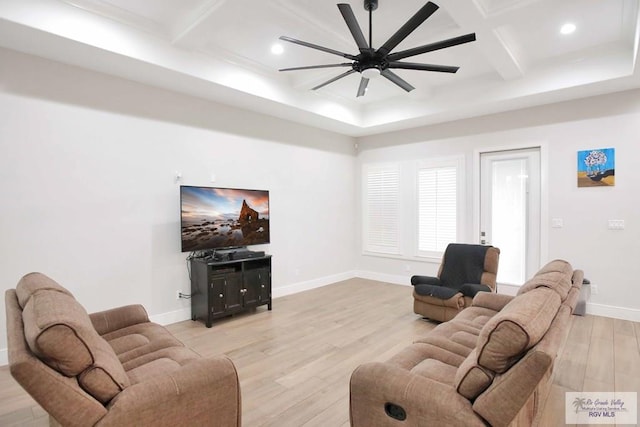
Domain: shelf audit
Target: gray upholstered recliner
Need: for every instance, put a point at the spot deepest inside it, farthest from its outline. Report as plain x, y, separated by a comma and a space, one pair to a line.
465, 270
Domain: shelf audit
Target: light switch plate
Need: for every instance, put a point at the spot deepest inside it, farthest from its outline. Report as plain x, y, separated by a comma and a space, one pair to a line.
557, 222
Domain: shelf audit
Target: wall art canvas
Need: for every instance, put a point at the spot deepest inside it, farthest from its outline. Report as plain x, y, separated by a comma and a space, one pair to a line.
596, 168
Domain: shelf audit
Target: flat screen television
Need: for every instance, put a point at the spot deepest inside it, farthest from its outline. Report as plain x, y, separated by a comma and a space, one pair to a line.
223, 218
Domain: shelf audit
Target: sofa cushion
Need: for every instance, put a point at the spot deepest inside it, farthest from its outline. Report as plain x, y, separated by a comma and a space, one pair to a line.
138, 340
417, 353
34, 282
58, 330
472, 379
516, 328
435, 370
435, 291
161, 362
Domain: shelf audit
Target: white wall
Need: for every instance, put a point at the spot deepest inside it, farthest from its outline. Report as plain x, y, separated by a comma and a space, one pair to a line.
608, 257
87, 167
88, 193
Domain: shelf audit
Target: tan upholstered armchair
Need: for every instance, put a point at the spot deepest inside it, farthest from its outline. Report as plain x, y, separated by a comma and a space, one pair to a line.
112, 368
465, 270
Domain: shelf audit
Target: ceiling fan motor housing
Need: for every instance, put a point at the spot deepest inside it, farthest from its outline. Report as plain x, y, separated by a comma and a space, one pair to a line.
370, 5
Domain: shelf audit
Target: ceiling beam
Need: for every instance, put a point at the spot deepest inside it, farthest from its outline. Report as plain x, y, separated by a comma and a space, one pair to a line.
470, 16
634, 13
187, 31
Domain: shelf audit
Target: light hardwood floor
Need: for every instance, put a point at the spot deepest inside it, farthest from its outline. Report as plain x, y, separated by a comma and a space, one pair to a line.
294, 362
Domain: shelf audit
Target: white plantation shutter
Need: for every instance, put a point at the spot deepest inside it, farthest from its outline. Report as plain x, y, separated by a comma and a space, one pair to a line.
381, 208
437, 208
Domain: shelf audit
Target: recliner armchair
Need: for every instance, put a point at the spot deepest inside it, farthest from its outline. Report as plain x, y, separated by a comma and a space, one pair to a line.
465, 270
111, 368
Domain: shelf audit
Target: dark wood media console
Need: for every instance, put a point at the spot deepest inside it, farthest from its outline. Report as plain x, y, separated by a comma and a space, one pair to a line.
222, 288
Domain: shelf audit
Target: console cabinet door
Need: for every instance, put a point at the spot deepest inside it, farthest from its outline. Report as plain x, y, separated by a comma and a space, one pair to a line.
251, 288
233, 292
217, 291
265, 284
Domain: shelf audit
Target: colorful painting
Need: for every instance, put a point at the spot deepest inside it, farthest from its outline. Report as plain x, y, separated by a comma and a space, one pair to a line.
596, 168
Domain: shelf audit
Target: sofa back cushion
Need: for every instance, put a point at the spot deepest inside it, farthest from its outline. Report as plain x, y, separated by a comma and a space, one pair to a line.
516, 328
554, 275
34, 282
58, 331
472, 379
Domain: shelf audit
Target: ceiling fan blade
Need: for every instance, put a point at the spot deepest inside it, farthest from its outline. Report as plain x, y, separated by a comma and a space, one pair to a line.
362, 89
354, 27
313, 67
315, 46
393, 77
432, 46
345, 74
425, 12
424, 67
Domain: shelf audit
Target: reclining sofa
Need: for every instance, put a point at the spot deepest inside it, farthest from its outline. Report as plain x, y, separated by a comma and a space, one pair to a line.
112, 368
490, 365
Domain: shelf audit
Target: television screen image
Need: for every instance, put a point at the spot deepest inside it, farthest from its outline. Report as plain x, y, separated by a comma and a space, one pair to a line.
215, 218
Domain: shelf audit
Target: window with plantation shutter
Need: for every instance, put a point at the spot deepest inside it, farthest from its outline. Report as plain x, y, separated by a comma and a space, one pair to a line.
381, 208
437, 207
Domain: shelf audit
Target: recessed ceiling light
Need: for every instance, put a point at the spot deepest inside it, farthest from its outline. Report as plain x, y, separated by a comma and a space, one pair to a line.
568, 28
277, 49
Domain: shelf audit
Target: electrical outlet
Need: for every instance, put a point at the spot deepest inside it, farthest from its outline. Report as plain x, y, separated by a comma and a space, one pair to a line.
178, 294
594, 289
616, 224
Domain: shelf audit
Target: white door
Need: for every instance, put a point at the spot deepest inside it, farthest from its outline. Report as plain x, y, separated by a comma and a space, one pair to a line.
510, 211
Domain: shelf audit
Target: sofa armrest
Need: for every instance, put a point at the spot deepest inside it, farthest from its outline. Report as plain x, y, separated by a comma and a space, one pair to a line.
492, 301
202, 392
425, 401
577, 279
425, 280
471, 289
118, 318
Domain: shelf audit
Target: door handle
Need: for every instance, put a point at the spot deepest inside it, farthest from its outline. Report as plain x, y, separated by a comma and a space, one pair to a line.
483, 240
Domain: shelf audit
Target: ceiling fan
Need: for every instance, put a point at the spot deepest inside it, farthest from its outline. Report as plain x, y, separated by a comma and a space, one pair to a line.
372, 62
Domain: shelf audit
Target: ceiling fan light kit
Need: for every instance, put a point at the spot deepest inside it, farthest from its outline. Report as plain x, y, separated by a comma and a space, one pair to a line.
370, 73
371, 62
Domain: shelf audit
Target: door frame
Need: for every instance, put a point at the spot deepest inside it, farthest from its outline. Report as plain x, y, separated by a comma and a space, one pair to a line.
544, 191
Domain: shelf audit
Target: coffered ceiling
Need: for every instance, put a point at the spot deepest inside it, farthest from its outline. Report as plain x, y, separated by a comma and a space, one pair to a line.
221, 50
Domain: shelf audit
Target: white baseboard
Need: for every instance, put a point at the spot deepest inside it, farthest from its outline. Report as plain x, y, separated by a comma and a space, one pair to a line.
4, 357
621, 313
311, 284
172, 316
387, 278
